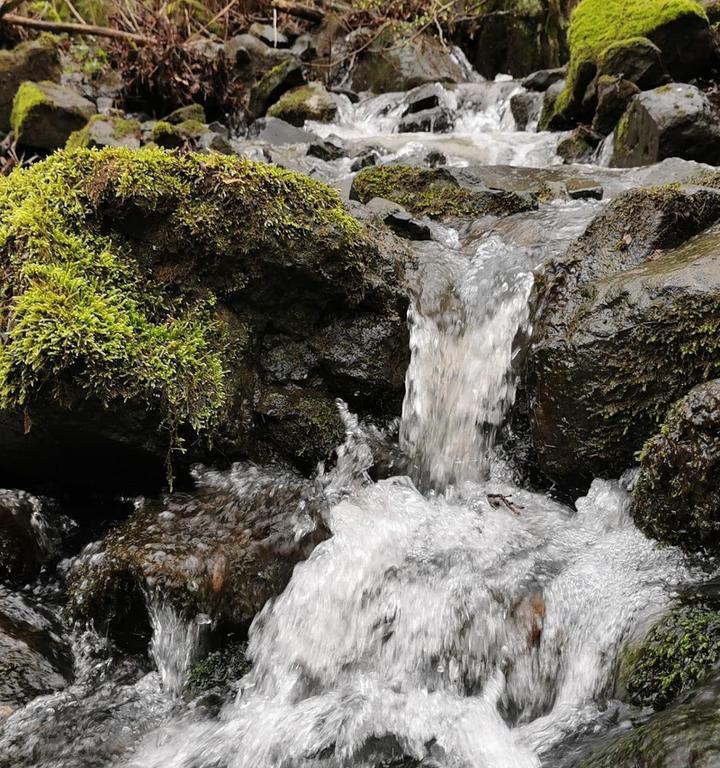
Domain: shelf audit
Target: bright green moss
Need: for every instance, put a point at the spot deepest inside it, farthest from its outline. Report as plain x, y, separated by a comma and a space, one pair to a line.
598, 24
93, 310
121, 128
162, 129
26, 99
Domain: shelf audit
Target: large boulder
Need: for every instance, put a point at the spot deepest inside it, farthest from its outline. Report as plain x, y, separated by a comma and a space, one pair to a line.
606, 37
283, 77
674, 120
627, 321
45, 115
34, 60
221, 551
677, 496
395, 61
153, 301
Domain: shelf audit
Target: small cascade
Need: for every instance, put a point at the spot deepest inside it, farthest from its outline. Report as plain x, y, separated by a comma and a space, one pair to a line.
176, 643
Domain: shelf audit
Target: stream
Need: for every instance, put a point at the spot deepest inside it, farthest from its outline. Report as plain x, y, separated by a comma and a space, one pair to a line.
454, 618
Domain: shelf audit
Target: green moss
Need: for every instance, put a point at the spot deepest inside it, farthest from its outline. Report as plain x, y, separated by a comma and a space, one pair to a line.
597, 25
217, 671
91, 311
161, 129
121, 128
292, 100
433, 193
27, 98
678, 653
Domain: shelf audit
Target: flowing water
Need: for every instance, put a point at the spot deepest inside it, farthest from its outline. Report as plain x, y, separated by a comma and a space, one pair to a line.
453, 618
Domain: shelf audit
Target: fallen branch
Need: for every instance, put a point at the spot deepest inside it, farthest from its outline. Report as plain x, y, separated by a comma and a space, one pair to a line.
298, 9
73, 29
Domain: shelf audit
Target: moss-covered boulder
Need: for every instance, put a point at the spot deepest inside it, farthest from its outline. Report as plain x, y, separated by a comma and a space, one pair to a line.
399, 59
613, 96
438, 193
283, 77
311, 102
679, 652
107, 131
675, 120
34, 60
606, 34
153, 300
686, 735
222, 550
45, 115
628, 320
677, 496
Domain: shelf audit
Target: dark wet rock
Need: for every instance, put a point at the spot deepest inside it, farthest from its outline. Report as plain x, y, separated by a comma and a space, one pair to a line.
269, 35
435, 159
365, 159
679, 651
253, 58
277, 132
550, 119
584, 189
309, 102
33, 60
394, 62
525, 108
686, 735
45, 114
544, 78
222, 551
613, 96
283, 77
34, 657
247, 258
677, 496
579, 146
638, 60
672, 121
423, 98
513, 37
27, 537
438, 193
351, 96
404, 225
326, 149
107, 131
628, 320
436, 120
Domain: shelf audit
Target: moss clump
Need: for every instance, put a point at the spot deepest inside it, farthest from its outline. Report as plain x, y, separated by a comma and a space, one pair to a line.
433, 192
114, 261
678, 653
310, 102
597, 25
117, 129
28, 97
217, 672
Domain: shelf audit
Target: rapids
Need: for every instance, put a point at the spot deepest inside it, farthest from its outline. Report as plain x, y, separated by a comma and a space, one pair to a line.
454, 618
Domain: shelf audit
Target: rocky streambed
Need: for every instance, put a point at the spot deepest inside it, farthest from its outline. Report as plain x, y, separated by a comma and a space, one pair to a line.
373, 435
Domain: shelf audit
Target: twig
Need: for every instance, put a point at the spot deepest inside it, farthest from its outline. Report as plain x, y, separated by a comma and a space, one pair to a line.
73, 29
75, 12
298, 9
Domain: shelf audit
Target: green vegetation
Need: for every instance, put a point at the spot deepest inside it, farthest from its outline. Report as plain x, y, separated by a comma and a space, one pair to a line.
217, 671
26, 99
678, 653
121, 127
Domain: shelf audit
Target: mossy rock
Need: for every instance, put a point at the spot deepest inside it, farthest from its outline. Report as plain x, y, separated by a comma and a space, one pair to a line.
283, 77
311, 102
630, 318
599, 29
222, 550
678, 653
216, 674
45, 115
436, 193
139, 287
677, 495
33, 60
106, 131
